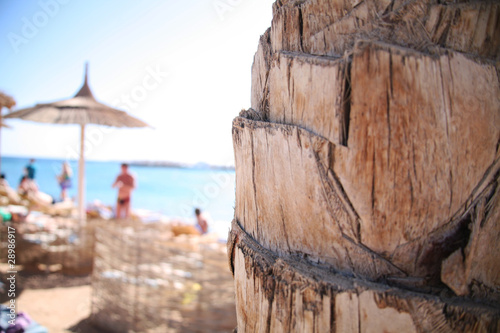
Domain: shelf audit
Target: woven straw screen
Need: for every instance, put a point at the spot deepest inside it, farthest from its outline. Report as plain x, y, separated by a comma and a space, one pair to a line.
145, 280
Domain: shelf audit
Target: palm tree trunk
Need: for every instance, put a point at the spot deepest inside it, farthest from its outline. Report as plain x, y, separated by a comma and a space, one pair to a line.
367, 170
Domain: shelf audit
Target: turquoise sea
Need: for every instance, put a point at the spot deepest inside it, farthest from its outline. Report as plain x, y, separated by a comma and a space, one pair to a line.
166, 191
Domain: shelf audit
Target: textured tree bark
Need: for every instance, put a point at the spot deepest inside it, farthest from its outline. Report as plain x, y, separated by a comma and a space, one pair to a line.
367, 170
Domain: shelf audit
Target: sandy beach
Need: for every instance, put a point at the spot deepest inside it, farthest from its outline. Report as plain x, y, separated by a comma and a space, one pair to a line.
57, 302
55, 288
58, 309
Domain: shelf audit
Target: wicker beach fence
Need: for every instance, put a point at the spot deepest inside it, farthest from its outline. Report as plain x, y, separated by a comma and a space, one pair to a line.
3, 243
66, 245
146, 280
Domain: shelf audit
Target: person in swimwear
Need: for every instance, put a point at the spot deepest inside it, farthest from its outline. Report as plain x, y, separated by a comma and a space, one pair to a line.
126, 184
64, 180
201, 221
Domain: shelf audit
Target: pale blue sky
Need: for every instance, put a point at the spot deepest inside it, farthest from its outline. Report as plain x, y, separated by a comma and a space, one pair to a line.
184, 67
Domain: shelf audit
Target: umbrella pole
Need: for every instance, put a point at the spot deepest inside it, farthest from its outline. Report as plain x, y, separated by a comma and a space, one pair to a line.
81, 180
0, 141
1, 124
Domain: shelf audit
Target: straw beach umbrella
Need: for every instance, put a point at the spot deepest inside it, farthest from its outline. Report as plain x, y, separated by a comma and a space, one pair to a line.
82, 109
7, 102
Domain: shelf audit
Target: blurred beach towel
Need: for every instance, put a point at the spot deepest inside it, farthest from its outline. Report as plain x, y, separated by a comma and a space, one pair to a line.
23, 323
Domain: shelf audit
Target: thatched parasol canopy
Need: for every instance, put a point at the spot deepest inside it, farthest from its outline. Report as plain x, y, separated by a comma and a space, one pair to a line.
6, 101
77, 110
82, 109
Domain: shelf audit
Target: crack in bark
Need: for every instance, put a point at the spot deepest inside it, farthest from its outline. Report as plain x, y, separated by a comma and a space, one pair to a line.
388, 119
330, 194
374, 254
345, 115
284, 227
373, 184
301, 29
254, 188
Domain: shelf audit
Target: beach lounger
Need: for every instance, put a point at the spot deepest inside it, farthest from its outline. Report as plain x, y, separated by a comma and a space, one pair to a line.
44, 203
11, 195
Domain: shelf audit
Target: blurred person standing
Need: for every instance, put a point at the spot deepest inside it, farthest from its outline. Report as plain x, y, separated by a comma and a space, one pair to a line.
64, 180
31, 169
125, 182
